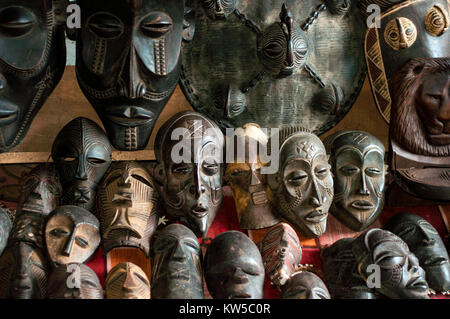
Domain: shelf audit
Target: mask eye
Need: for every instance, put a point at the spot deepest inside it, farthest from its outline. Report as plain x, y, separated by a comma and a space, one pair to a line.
156, 25
297, 178
210, 167
349, 170
67, 159
82, 242
373, 171
58, 232
273, 50
182, 169
105, 25
96, 161
15, 21
141, 179
321, 171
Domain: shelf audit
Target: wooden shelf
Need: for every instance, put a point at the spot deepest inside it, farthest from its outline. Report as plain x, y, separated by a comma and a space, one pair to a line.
68, 102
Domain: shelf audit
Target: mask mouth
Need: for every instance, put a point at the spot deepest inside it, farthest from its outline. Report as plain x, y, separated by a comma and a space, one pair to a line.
439, 139
362, 205
130, 115
316, 216
179, 274
199, 211
240, 295
8, 114
418, 284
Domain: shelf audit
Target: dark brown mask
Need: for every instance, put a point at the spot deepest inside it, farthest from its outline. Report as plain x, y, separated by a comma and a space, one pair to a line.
5, 228
128, 63
233, 267
191, 189
424, 241
357, 163
74, 281
128, 205
32, 61
249, 186
82, 154
127, 281
304, 285
72, 235
400, 273
176, 264
281, 252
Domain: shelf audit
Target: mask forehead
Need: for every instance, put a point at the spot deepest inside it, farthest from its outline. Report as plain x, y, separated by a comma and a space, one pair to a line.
301, 145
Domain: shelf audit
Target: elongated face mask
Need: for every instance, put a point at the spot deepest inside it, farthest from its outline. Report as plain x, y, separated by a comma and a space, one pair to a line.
176, 264
128, 204
233, 267
127, 281
304, 285
281, 252
357, 161
400, 273
82, 155
304, 183
248, 185
189, 150
74, 281
72, 235
128, 64
32, 61
424, 241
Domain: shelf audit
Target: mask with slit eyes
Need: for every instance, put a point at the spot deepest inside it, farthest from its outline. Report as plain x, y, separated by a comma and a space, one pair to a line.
424, 241
190, 170
357, 163
128, 205
281, 252
32, 62
219, 9
128, 63
304, 285
176, 264
233, 267
127, 281
85, 283
303, 186
72, 235
401, 276
82, 154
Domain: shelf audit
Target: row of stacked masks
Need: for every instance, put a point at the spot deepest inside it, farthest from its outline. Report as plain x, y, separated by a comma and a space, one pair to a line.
69, 208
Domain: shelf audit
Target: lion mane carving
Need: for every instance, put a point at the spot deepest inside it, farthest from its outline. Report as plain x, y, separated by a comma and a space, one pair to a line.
407, 128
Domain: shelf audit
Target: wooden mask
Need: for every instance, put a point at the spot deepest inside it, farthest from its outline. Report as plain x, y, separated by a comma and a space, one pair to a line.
32, 61
72, 235
192, 185
128, 205
127, 281
83, 282
82, 154
304, 285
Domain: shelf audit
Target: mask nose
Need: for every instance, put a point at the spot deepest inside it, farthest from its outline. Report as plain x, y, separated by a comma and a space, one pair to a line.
240, 277
81, 169
131, 84
219, 8
316, 198
68, 246
179, 254
363, 190
403, 44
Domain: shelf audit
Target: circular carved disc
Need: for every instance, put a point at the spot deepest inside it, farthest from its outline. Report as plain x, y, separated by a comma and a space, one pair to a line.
225, 56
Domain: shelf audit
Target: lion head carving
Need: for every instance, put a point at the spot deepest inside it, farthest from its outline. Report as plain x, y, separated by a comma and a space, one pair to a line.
420, 115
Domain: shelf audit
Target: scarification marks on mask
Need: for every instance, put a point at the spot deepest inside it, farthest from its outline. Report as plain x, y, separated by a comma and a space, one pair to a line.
98, 62
131, 140
445, 175
159, 47
306, 149
360, 138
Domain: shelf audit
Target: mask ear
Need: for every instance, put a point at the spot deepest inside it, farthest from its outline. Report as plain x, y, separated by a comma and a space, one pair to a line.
188, 22
158, 174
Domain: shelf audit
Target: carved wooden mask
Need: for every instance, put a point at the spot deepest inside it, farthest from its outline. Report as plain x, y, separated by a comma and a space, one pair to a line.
303, 186
233, 267
32, 61
82, 154
400, 273
281, 252
304, 285
83, 282
128, 205
176, 264
72, 235
424, 241
128, 63
357, 164
191, 185
127, 281
249, 186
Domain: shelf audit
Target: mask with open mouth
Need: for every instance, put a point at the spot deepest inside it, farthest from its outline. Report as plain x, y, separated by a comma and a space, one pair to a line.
190, 169
233, 267
304, 285
401, 276
424, 241
303, 186
32, 61
74, 281
128, 205
176, 264
82, 154
357, 163
72, 235
127, 281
